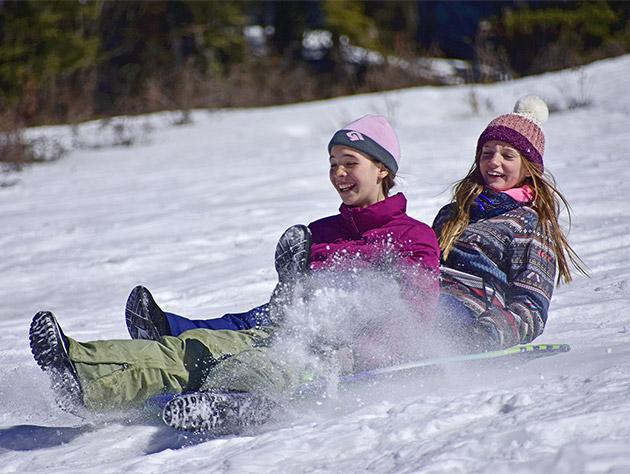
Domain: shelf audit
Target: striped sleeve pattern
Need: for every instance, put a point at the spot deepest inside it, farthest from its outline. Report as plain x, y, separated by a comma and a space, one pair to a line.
517, 266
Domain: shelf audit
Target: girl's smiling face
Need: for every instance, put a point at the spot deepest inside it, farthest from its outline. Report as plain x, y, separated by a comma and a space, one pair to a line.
501, 166
356, 177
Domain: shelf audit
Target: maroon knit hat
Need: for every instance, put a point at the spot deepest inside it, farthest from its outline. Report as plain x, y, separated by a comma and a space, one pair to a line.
520, 129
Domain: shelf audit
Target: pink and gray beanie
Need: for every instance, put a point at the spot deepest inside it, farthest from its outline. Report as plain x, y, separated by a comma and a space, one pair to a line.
520, 129
372, 135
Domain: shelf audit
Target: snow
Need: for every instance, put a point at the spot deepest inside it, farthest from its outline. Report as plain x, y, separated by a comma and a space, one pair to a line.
194, 212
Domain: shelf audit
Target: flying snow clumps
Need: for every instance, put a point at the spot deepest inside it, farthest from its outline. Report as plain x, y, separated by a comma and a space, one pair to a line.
343, 322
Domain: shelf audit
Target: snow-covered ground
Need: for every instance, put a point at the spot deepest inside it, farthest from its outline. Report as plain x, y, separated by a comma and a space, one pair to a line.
194, 213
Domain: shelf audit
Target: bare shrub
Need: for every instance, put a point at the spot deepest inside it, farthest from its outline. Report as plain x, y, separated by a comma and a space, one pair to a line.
473, 101
491, 63
574, 91
262, 82
582, 97
17, 151
392, 105
114, 132
479, 104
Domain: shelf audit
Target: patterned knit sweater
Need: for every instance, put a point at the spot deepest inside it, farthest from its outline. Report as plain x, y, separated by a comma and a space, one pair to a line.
508, 269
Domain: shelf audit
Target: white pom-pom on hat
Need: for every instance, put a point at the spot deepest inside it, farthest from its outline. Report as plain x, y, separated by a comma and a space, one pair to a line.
533, 108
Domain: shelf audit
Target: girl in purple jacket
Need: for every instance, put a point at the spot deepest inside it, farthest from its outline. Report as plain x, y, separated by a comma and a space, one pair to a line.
171, 354
371, 229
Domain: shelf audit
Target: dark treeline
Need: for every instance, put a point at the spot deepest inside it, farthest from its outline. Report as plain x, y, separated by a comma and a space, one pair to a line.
67, 61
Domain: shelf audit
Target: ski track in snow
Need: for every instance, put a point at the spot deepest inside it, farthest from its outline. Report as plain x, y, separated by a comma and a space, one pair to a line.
194, 214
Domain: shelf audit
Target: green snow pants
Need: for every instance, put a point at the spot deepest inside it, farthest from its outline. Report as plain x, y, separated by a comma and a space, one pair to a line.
125, 373
257, 370
275, 374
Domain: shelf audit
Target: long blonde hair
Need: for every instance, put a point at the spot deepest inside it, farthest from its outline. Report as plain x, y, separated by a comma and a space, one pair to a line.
547, 203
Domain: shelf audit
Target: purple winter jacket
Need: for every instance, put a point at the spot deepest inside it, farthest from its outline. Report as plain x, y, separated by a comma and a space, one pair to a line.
358, 238
368, 237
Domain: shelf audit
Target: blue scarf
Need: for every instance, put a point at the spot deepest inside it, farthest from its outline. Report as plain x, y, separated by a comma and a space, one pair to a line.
492, 203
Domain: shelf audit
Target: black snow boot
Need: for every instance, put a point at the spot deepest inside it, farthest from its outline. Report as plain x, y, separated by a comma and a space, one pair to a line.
293, 253
144, 318
218, 412
292, 263
49, 346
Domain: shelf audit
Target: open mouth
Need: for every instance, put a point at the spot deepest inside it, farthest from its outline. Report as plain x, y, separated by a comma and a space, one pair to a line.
494, 174
344, 188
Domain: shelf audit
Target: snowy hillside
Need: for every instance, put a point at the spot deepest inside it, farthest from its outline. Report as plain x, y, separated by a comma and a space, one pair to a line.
194, 212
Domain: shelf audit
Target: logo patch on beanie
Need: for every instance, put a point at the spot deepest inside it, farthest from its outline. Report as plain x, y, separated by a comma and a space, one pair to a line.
354, 136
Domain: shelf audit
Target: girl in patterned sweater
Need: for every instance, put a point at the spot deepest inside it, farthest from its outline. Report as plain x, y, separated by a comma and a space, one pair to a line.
500, 238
